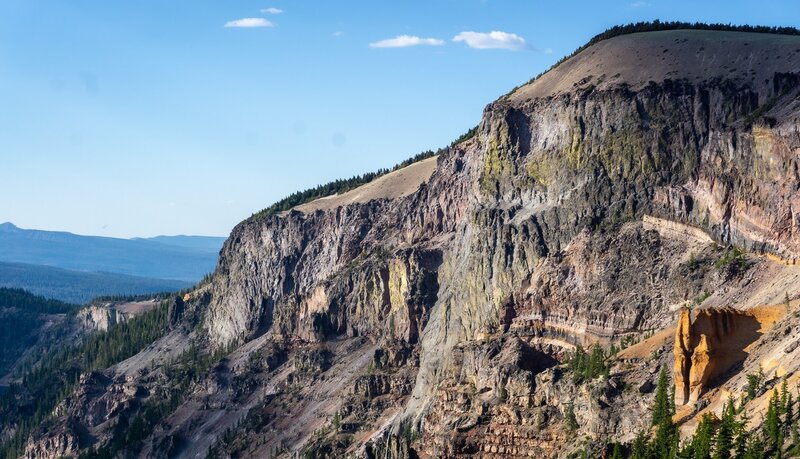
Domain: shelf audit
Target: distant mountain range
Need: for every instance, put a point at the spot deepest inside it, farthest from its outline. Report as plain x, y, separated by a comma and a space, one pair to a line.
73, 268
186, 258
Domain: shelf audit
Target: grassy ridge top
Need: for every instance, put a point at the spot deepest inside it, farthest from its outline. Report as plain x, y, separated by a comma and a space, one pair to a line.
656, 26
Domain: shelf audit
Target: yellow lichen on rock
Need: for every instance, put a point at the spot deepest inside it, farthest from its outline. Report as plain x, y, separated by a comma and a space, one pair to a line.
399, 323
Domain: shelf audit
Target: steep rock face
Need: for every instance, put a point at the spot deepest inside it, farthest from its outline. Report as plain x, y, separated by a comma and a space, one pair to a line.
707, 347
98, 318
718, 152
58, 444
683, 354
104, 315
354, 270
430, 320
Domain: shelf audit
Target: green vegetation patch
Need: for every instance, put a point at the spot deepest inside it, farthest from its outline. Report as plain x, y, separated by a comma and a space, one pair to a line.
22, 314
732, 262
51, 380
587, 366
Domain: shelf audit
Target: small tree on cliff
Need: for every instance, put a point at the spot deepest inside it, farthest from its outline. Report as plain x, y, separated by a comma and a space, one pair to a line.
754, 382
784, 396
616, 451
773, 429
663, 407
665, 442
570, 419
726, 431
703, 441
587, 366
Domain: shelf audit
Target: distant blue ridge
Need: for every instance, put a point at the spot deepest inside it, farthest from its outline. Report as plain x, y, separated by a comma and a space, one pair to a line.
182, 258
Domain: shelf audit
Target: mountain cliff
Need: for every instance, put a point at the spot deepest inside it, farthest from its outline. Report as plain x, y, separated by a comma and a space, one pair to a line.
443, 309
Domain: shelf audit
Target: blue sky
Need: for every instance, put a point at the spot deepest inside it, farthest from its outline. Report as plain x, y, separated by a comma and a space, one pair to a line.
137, 118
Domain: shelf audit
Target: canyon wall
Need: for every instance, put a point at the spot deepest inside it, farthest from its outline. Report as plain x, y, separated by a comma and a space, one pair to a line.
540, 177
712, 344
588, 207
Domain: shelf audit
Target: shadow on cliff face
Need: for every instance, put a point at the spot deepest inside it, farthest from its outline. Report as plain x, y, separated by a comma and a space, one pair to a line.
729, 335
709, 348
535, 360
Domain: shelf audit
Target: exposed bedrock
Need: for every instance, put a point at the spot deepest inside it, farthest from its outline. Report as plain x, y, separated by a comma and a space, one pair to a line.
425, 315
716, 341
532, 226
443, 264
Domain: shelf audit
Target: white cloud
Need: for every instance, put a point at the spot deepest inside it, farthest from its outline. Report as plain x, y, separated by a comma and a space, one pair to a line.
492, 40
404, 41
338, 33
638, 4
272, 11
249, 22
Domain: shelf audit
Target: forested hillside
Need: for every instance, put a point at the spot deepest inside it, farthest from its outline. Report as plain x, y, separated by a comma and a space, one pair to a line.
22, 314
80, 286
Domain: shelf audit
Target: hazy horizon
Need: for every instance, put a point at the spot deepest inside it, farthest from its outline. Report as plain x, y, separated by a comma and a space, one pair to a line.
155, 236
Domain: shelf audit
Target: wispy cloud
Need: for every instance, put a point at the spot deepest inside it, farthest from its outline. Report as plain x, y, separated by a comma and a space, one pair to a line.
492, 40
249, 23
404, 41
272, 10
338, 33
638, 4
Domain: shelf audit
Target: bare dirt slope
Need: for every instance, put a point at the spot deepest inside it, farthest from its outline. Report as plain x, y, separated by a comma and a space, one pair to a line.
695, 55
397, 184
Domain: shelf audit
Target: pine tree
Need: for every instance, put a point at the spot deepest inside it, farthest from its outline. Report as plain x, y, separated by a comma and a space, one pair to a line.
755, 448
724, 441
772, 422
703, 440
665, 442
742, 435
587, 366
616, 451
597, 363
661, 405
784, 396
640, 446
794, 451
577, 363
754, 382
570, 419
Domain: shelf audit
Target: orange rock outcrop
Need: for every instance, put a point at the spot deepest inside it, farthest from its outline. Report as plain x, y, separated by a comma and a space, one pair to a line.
707, 347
